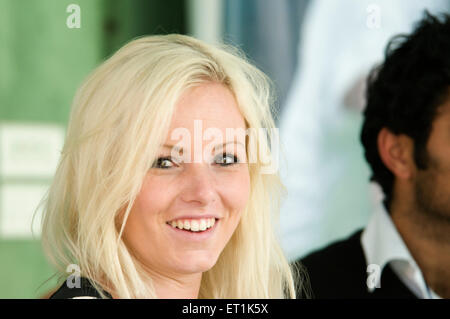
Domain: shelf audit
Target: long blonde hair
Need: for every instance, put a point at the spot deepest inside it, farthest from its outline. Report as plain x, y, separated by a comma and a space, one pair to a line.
120, 116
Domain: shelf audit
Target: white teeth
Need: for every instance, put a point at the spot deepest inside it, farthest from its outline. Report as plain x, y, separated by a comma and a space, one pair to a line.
202, 224
193, 225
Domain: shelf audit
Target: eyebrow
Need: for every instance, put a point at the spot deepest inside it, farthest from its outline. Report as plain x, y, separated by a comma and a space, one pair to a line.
215, 147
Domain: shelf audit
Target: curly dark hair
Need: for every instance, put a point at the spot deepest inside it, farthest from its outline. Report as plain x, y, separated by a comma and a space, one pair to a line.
404, 93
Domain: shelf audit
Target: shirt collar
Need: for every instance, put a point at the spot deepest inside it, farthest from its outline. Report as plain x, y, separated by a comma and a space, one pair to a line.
382, 244
381, 241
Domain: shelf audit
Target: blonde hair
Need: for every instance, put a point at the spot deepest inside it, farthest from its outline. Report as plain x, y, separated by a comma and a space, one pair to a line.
120, 116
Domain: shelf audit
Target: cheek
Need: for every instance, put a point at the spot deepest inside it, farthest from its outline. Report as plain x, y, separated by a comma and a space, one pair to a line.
147, 211
155, 196
235, 190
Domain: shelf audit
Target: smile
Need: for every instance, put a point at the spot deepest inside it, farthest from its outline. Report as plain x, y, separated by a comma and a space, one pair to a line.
193, 225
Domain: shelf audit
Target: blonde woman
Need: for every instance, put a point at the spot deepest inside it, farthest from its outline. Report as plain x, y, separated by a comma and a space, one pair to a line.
140, 206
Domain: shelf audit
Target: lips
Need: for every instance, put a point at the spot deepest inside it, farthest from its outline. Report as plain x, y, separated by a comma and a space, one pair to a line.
193, 224
193, 235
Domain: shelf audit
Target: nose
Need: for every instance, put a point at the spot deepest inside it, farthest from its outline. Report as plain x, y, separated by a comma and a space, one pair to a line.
198, 185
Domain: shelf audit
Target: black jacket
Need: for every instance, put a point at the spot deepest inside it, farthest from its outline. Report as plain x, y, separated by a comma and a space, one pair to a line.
340, 271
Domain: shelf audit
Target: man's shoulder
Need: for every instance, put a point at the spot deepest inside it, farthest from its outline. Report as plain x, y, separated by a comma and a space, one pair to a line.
339, 269
346, 251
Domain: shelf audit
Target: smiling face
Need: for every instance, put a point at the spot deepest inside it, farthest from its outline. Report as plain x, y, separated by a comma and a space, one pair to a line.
201, 192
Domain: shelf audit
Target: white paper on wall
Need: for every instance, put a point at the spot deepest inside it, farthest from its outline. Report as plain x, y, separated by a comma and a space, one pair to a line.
28, 150
18, 203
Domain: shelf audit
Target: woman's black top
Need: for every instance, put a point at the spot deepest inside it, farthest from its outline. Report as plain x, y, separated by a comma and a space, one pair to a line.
85, 291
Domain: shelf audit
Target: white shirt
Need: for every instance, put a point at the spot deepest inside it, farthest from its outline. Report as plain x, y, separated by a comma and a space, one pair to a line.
382, 245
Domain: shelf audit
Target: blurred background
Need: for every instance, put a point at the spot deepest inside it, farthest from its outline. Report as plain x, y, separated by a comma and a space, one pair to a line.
317, 52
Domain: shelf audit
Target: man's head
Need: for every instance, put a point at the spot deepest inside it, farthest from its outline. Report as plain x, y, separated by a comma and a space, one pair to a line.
406, 129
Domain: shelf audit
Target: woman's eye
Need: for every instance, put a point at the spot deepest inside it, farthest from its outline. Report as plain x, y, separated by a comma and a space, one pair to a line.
164, 163
226, 159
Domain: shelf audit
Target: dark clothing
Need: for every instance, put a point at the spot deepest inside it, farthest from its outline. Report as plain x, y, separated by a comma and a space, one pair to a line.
86, 290
340, 271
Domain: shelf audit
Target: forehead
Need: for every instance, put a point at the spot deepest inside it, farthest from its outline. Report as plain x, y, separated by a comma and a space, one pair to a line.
212, 103
444, 108
442, 113
440, 130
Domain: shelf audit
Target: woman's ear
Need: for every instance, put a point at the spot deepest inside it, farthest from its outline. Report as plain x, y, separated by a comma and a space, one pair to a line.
396, 152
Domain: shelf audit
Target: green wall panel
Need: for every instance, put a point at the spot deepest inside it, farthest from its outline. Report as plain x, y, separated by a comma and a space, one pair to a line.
42, 62
24, 270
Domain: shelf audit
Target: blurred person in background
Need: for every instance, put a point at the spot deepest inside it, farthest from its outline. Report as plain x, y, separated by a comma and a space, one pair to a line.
404, 251
326, 175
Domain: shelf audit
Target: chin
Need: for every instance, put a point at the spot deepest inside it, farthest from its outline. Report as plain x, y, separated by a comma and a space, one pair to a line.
196, 263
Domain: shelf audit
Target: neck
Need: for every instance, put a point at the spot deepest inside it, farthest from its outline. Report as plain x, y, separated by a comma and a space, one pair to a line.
173, 286
428, 241
179, 287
